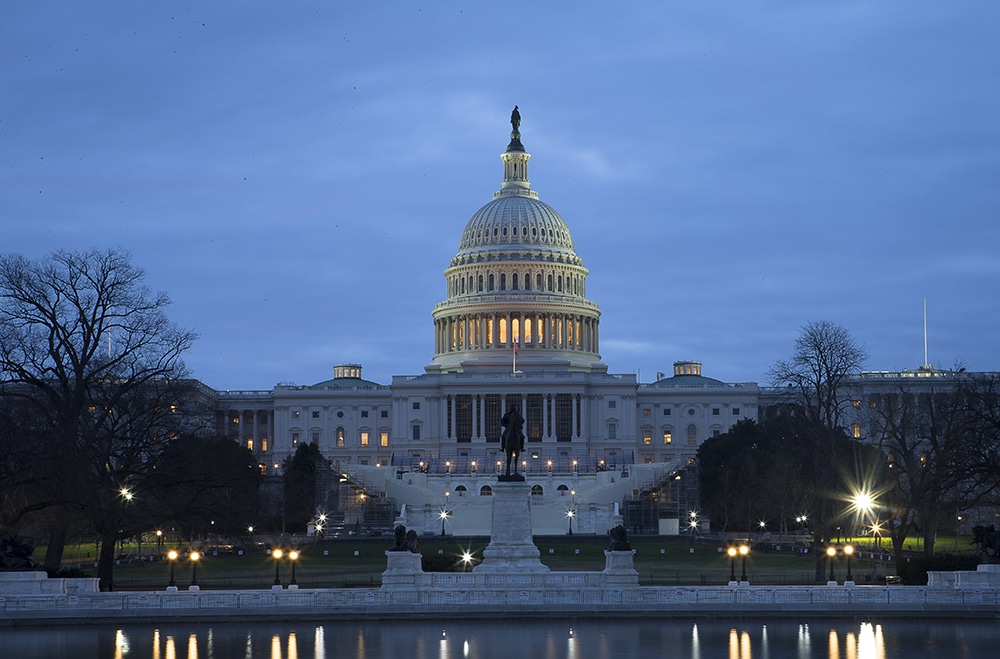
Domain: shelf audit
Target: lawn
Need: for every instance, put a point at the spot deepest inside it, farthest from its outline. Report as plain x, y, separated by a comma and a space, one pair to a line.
356, 562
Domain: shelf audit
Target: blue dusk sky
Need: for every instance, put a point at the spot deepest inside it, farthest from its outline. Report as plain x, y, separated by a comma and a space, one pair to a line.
296, 176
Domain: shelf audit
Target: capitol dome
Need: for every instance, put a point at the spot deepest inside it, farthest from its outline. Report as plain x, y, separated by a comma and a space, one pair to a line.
516, 281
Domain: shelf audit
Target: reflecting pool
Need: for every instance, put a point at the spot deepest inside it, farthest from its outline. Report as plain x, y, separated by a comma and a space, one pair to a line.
545, 639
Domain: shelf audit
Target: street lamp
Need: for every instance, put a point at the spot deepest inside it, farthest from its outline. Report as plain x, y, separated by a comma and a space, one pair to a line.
172, 557
569, 516
831, 552
276, 555
848, 550
744, 550
293, 556
443, 515
732, 564
195, 556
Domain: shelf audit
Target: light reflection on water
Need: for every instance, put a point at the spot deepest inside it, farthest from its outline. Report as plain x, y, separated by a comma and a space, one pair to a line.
545, 639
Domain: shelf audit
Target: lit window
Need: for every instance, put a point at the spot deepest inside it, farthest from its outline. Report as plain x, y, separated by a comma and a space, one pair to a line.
364, 438
263, 469
647, 437
295, 439
856, 430
263, 443
236, 419
667, 437
340, 437
250, 444
295, 415
856, 403
646, 411
383, 439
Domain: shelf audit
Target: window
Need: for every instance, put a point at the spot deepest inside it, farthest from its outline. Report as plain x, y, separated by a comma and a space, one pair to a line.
416, 405
646, 411
315, 414
315, 437
692, 433
612, 404
263, 469
250, 444
736, 411
667, 437
856, 403
486, 491
647, 437
612, 431
364, 438
715, 433
263, 443
415, 432
666, 412
715, 411
383, 439
385, 414
295, 439
340, 436
856, 431
295, 415
364, 414
537, 491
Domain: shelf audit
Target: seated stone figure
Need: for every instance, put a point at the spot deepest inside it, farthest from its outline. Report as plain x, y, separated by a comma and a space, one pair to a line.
411, 542
619, 539
399, 539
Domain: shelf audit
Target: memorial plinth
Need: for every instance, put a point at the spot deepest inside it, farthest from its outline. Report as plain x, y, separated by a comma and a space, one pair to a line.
512, 549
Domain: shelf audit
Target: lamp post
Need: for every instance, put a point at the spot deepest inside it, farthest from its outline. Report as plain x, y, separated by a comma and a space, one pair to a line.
293, 556
443, 515
195, 557
831, 552
848, 550
276, 555
569, 516
744, 550
172, 557
732, 564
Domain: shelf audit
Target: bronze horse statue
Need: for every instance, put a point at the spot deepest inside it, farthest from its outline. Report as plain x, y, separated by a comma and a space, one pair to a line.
512, 438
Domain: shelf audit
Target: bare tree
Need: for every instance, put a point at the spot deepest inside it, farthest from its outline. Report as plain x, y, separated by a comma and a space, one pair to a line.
87, 352
825, 357
815, 380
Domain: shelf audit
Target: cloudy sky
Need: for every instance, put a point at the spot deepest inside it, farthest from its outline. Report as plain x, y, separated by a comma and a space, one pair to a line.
297, 175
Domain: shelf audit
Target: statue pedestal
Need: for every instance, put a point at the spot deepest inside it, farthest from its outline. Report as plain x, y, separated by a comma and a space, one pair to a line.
403, 570
619, 568
512, 549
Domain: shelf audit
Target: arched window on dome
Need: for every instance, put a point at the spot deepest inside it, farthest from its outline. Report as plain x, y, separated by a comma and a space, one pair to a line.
503, 331
479, 288
490, 286
538, 281
463, 286
550, 283
503, 281
513, 282
560, 284
515, 329
527, 330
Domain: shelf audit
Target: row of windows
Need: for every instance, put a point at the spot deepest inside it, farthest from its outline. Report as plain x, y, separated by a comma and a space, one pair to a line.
646, 411
384, 414
364, 438
552, 283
